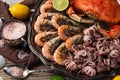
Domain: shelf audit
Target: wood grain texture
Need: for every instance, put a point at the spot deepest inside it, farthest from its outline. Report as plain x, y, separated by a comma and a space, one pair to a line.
34, 76
37, 76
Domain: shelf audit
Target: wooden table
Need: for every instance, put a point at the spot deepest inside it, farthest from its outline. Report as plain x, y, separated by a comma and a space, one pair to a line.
34, 76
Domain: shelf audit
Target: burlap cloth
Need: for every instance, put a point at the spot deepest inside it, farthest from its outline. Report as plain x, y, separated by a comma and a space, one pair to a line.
11, 53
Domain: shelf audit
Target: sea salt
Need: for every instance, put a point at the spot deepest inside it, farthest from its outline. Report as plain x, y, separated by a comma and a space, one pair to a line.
15, 71
14, 30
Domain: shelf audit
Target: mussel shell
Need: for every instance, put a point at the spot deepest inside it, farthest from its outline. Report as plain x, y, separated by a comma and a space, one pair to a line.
14, 42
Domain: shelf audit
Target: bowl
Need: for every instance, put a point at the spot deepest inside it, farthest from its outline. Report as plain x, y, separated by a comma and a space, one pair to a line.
14, 32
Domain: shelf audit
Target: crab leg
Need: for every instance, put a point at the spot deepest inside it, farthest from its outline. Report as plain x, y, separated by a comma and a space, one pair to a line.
76, 17
114, 31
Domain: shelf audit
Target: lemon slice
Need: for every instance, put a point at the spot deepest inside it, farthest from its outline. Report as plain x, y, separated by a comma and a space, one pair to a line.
60, 5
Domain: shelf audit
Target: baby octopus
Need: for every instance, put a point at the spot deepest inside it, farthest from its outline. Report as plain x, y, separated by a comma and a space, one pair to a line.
95, 53
71, 64
88, 70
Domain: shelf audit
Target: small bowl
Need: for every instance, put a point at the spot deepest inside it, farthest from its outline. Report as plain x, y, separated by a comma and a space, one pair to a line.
14, 32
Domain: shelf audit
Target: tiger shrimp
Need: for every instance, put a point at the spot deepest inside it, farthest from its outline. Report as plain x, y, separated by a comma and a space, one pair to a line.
49, 48
42, 38
42, 25
58, 20
47, 7
66, 31
46, 15
60, 54
73, 41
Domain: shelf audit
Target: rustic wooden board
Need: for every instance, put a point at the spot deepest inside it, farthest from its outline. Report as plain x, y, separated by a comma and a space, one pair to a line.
34, 76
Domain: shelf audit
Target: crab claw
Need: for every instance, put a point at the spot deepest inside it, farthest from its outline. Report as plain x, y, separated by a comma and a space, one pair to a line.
77, 17
114, 31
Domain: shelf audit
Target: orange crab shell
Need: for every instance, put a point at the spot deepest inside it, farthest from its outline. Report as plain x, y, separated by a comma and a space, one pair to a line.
104, 10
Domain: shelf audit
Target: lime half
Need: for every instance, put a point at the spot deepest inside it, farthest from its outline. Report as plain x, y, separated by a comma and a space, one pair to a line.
60, 5
57, 78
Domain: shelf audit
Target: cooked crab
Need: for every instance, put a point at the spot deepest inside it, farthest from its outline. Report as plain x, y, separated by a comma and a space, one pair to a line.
104, 10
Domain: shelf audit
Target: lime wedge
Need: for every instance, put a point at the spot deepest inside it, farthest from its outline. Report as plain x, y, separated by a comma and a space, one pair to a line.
60, 5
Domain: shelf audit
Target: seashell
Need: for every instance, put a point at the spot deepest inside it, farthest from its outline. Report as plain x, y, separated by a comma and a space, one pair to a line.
1, 23
2, 61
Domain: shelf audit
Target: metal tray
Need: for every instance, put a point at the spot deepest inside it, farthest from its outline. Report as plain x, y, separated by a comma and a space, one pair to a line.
55, 67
